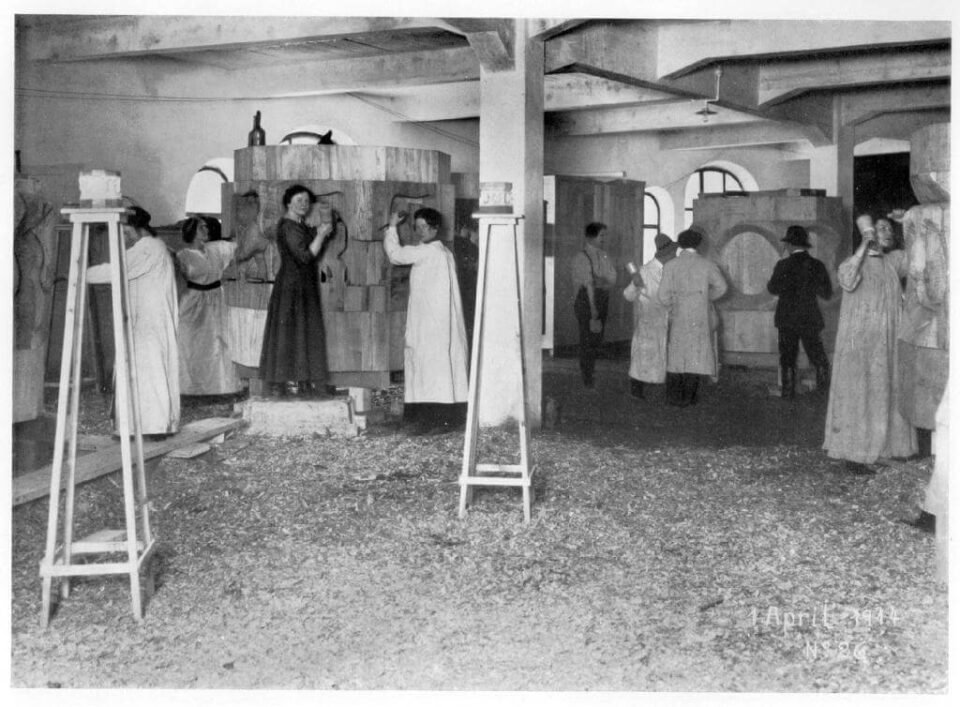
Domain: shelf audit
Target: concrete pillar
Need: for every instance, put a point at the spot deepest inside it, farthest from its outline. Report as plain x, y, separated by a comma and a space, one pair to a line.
823, 169
511, 150
846, 142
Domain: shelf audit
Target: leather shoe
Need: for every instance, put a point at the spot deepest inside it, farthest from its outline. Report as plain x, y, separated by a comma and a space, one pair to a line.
925, 522
858, 469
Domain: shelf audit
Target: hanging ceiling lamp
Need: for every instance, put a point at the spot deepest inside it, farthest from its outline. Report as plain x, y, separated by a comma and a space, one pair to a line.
706, 111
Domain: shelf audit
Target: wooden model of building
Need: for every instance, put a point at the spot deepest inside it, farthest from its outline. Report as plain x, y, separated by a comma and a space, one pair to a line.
742, 234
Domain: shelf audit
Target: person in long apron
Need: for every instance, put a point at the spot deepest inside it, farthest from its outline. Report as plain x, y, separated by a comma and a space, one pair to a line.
435, 341
154, 318
863, 422
206, 364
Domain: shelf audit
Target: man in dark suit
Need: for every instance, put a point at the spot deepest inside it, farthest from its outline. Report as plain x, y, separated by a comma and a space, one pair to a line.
798, 280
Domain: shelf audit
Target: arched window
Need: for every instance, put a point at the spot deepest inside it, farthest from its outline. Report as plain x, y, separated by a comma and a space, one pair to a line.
203, 194
657, 217
708, 180
651, 224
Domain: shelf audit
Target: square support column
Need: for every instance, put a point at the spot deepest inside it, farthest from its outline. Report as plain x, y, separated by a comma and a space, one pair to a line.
511, 150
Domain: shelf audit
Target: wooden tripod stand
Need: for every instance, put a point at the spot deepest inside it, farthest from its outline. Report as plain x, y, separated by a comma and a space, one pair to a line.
115, 551
493, 473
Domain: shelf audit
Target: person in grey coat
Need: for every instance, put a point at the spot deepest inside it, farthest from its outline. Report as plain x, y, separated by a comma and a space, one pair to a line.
798, 280
690, 285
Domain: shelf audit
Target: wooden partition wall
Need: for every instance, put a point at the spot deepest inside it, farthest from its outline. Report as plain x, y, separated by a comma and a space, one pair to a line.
577, 202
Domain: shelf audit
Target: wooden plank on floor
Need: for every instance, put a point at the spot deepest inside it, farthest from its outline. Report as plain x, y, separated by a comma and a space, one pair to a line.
36, 484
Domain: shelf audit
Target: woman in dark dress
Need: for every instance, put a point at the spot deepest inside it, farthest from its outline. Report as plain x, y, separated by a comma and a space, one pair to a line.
294, 354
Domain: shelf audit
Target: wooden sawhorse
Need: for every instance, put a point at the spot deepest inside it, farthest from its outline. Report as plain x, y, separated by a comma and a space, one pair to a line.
474, 473
61, 556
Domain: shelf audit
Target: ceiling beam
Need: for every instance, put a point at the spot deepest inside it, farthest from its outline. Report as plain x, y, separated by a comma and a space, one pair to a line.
858, 107
328, 76
663, 116
626, 49
817, 113
545, 28
95, 37
712, 137
574, 91
784, 80
562, 92
684, 46
491, 39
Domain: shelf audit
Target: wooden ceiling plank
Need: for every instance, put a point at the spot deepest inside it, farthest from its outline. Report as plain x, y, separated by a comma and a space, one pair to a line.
95, 37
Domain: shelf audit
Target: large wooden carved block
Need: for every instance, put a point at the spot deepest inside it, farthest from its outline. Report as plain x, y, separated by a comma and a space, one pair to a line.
34, 269
364, 298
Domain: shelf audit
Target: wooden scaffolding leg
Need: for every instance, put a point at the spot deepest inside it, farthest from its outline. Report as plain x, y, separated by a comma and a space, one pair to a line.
473, 472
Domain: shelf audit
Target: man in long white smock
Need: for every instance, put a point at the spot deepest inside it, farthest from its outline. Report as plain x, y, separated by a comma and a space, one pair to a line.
435, 341
154, 317
648, 347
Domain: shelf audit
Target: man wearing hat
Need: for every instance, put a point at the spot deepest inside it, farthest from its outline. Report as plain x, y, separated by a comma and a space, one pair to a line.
648, 348
797, 280
690, 285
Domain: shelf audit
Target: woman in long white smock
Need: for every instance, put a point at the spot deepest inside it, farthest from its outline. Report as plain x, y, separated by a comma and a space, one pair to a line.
153, 317
435, 341
206, 365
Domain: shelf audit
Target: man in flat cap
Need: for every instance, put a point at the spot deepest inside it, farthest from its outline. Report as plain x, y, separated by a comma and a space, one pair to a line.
798, 280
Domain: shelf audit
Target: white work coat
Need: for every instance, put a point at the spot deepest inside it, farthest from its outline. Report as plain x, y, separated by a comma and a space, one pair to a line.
688, 288
435, 340
154, 318
648, 347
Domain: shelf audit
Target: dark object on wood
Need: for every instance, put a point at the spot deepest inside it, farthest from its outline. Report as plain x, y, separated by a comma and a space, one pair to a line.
257, 136
925, 522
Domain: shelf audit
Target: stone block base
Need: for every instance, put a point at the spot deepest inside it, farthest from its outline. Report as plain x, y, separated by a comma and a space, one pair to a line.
298, 418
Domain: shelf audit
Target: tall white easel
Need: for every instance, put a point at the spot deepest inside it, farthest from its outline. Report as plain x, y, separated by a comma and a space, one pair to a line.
118, 551
476, 473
